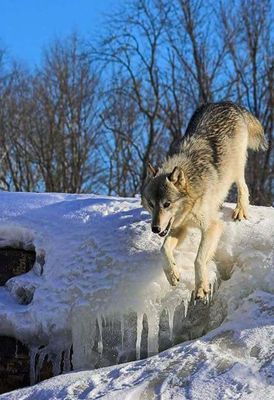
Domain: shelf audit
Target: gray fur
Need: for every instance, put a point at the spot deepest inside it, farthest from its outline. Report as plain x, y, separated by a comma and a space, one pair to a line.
190, 186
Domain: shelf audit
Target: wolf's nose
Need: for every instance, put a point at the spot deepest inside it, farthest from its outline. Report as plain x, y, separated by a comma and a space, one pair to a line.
156, 229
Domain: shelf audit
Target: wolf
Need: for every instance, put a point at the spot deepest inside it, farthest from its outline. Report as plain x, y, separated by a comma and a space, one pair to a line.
189, 188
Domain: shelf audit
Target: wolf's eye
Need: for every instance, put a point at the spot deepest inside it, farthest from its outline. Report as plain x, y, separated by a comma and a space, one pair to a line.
166, 204
150, 204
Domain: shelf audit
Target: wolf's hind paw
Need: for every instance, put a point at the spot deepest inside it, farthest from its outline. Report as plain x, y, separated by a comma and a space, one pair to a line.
239, 213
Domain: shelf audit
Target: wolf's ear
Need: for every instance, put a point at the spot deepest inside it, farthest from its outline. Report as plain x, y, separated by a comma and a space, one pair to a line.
177, 177
151, 170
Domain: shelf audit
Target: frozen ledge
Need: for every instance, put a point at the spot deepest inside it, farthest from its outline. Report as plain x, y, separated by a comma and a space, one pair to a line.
103, 297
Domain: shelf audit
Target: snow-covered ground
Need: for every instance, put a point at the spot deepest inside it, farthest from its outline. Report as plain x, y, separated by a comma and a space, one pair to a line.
101, 259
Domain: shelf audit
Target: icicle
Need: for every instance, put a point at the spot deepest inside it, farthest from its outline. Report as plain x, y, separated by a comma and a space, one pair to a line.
103, 318
122, 331
66, 367
41, 358
139, 334
33, 353
186, 303
170, 311
84, 324
56, 363
212, 290
153, 332
100, 341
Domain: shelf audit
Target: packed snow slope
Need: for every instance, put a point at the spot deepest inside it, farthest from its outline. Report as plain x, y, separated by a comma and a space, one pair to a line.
99, 257
100, 254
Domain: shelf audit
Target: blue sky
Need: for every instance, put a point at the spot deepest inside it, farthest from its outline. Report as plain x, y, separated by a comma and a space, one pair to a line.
26, 26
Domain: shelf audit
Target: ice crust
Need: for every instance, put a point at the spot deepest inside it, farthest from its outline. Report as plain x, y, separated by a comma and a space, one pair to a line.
101, 259
102, 262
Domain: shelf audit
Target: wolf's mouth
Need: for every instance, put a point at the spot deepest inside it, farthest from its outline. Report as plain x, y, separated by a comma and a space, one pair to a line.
165, 232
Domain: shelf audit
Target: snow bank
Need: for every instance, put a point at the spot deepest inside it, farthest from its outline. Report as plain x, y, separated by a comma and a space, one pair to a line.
101, 259
233, 361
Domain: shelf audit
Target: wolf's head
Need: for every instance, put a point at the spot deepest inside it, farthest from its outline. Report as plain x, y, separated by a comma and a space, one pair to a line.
163, 197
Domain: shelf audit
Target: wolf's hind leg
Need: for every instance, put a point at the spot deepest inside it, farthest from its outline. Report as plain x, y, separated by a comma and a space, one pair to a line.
240, 211
174, 238
208, 244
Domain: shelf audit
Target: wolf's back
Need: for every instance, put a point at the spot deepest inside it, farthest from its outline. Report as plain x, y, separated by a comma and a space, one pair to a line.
221, 119
256, 137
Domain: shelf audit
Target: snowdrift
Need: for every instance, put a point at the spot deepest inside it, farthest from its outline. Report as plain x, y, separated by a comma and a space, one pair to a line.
102, 270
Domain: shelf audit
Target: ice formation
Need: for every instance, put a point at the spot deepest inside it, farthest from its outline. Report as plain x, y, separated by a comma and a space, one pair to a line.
103, 289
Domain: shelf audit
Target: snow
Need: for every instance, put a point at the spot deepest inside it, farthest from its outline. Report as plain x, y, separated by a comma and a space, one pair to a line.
102, 261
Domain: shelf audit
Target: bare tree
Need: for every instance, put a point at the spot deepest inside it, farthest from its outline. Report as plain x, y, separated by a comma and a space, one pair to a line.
18, 171
196, 49
49, 124
132, 47
66, 93
125, 141
91, 120
247, 33
172, 61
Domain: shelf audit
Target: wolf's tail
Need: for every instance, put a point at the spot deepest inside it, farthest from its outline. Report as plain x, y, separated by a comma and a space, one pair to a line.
256, 137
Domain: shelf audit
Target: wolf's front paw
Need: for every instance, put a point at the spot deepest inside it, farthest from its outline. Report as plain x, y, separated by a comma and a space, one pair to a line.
173, 277
201, 292
239, 213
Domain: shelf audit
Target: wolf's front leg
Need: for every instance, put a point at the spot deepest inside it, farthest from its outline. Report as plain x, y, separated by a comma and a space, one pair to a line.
208, 245
171, 242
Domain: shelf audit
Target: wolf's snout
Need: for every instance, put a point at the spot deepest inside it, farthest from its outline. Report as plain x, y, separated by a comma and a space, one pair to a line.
156, 229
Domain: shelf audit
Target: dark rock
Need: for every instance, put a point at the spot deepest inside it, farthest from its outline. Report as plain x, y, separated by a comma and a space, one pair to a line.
14, 262
14, 364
